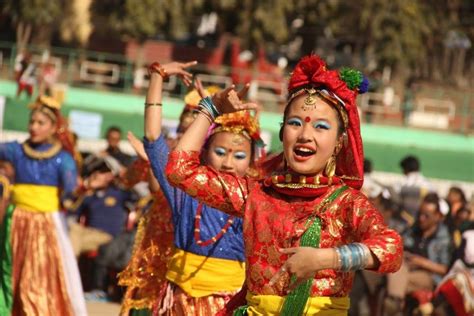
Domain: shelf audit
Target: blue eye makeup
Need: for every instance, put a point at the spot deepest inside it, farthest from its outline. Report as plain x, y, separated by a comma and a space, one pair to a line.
219, 151
294, 121
240, 155
321, 125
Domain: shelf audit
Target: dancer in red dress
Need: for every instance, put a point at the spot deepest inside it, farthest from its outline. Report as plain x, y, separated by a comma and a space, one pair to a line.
307, 227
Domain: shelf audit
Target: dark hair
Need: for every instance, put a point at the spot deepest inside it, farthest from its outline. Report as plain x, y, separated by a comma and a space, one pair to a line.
410, 164
432, 198
113, 128
459, 191
367, 165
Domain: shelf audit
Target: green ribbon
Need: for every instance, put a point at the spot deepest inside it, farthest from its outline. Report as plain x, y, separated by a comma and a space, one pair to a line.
295, 301
6, 290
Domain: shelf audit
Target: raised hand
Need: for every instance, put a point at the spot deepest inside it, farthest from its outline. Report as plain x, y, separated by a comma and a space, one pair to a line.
179, 69
229, 100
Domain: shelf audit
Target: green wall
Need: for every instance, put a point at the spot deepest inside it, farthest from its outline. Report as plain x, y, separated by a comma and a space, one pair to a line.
442, 155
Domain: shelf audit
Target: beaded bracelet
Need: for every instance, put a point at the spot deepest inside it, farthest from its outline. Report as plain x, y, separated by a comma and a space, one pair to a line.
208, 106
156, 67
352, 257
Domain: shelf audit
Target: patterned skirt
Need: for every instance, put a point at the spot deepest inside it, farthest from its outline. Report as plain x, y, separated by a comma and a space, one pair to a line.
39, 271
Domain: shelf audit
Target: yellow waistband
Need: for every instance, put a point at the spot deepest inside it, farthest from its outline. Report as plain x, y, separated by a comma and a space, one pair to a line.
319, 305
36, 198
200, 276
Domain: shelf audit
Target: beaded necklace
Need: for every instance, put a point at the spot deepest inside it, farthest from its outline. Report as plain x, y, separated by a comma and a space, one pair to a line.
197, 229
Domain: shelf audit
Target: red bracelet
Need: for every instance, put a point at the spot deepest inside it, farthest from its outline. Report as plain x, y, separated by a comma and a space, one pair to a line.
156, 67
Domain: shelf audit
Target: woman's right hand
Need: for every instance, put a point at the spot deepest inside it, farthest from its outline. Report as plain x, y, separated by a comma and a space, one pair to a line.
229, 100
179, 69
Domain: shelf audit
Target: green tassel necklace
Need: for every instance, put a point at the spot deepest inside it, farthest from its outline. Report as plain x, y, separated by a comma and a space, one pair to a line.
295, 301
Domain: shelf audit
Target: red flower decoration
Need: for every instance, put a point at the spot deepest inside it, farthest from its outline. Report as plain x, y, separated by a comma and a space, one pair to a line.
308, 68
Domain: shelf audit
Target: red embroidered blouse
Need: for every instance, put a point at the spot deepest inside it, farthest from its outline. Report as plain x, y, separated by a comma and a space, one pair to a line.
273, 221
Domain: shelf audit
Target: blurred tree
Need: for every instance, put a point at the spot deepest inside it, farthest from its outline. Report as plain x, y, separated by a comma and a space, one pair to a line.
76, 25
33, 19
142, 19
255, 22
394, 33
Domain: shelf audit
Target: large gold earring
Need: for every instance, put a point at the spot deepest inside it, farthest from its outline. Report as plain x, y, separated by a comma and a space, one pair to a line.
330, 169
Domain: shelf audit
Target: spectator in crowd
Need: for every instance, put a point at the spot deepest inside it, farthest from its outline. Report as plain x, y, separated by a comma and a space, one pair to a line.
113, 136
413, 187
427, 255
455, 293
102, 208
458, 224
114, 255
457, 201
408, 103
47, 78
25, 73
371, 187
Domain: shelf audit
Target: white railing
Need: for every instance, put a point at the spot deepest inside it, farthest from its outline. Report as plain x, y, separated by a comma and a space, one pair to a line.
432, 113
99, 72
380, 102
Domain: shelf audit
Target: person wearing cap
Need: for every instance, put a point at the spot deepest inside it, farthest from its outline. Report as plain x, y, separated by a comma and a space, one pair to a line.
428, 248
101, 209
307, 227
39, 272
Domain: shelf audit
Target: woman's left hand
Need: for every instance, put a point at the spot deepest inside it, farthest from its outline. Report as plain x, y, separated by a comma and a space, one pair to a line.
304, 263
229, 100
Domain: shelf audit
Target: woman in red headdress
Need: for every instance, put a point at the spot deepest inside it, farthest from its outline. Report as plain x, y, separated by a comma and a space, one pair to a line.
307, 227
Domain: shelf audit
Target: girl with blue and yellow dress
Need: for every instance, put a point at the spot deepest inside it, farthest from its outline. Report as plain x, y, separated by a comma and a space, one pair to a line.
39, 272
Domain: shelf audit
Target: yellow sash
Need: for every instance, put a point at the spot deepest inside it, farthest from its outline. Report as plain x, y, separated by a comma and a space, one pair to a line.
319, 305
36, 198
201, 276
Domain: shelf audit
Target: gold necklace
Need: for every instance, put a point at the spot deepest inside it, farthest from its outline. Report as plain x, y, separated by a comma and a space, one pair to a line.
35, 154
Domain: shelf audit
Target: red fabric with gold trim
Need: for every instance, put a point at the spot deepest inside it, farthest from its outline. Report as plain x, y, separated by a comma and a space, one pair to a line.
273, 221
312, 71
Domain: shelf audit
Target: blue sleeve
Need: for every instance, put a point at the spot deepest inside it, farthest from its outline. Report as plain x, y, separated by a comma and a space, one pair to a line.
157, 153
67, 174
8, 150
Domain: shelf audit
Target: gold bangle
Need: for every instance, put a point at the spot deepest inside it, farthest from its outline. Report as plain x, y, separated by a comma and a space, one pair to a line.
148, 104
